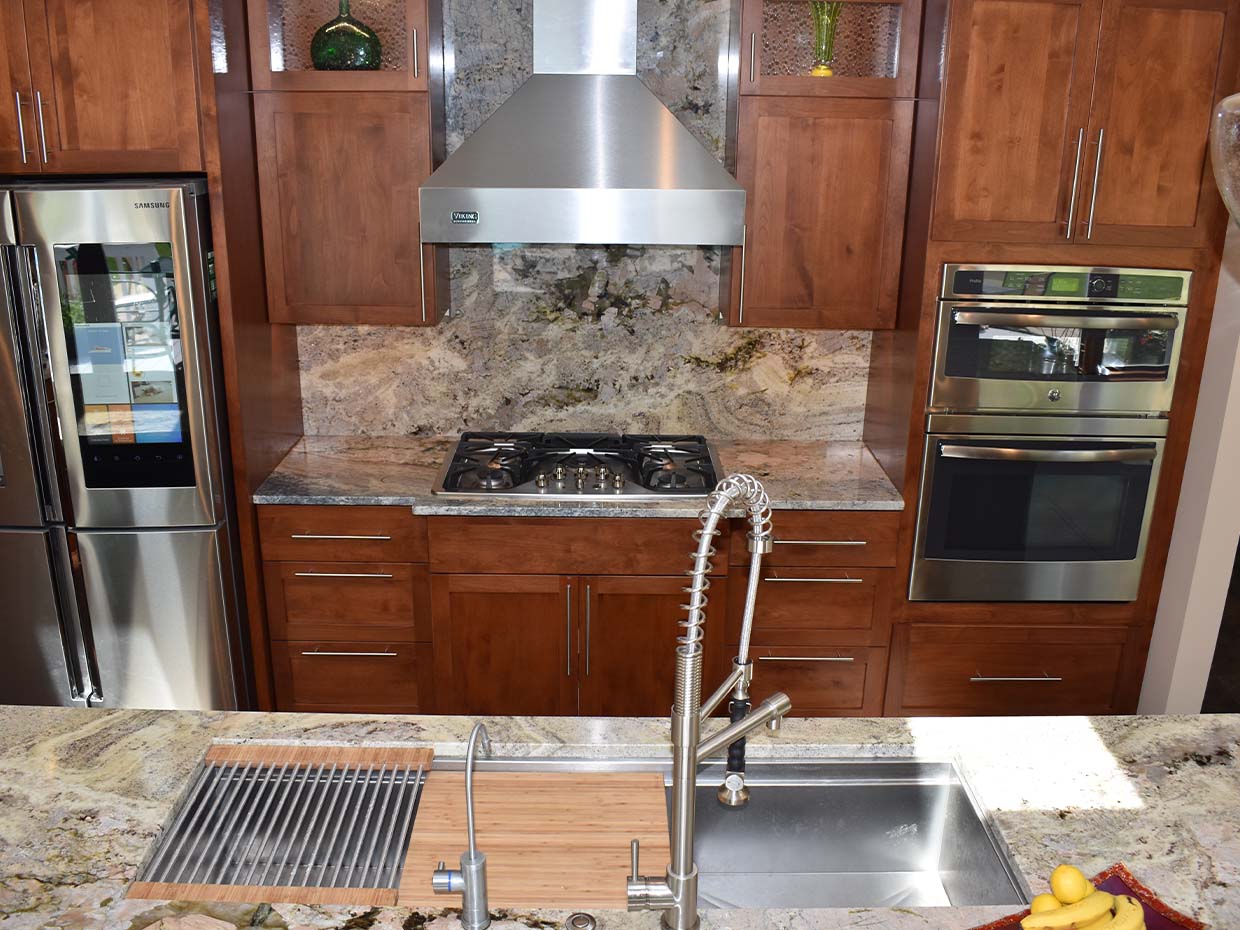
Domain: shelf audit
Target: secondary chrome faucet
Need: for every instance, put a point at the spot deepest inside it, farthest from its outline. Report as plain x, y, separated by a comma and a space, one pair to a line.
677, 894
470, 881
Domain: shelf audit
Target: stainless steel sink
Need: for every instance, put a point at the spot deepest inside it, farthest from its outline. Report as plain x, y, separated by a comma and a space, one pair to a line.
834, 833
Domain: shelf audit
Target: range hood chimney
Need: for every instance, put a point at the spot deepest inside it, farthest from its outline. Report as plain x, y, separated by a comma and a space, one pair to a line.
583, 153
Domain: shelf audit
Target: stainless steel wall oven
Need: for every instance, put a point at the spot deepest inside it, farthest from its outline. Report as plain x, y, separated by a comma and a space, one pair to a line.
1045, 432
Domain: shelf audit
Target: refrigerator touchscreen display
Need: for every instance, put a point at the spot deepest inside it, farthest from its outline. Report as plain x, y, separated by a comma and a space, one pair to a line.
120, 316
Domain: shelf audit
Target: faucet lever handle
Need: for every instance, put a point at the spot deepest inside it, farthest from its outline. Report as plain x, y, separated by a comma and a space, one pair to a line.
634, 854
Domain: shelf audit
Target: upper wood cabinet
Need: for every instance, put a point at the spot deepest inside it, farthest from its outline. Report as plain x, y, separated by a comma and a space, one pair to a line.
281, 32
827, 180
1081, 120
338, 184
875, 49
1161, 66
99, 86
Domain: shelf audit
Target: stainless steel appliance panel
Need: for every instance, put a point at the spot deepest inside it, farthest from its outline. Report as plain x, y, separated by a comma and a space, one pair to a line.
159, 603
1118, 535
60, 222
1134, 354
38, 634
21, 496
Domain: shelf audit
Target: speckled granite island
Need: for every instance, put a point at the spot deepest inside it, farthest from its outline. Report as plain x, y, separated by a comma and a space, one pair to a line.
85, 792
402, 470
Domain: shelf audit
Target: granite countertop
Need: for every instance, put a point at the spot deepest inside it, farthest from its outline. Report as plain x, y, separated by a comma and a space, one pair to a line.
85, 792
401, 471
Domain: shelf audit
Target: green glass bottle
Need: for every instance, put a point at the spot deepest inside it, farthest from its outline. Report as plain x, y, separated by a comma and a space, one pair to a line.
344, 44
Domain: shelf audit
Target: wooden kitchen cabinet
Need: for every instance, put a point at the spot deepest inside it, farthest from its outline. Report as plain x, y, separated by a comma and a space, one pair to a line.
281, 32
352, 677
1161, 66
821, 681
807, 606
875, 49
338, 185
505, 644
19, 138
826, 180
112, 86
1082, 120
629, 629
947, 670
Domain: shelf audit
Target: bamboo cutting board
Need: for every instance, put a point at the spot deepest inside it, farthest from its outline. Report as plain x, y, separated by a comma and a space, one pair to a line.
552, 839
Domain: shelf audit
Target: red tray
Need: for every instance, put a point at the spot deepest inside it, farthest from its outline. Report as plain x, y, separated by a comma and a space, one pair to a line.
1118, 880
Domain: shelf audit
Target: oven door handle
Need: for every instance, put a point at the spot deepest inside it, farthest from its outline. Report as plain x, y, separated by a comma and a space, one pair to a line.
1000, 454
1125, 321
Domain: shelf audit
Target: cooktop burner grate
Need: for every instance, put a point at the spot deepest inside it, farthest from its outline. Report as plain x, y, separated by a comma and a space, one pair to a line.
578, 466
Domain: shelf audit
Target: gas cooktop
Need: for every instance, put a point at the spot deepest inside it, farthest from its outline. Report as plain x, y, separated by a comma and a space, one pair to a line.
579, 466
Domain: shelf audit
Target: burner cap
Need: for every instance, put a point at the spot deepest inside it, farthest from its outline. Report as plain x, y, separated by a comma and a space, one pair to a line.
668, 477
491, 476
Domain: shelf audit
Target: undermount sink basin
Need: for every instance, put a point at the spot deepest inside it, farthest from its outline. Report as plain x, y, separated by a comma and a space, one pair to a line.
834, 833
854, 833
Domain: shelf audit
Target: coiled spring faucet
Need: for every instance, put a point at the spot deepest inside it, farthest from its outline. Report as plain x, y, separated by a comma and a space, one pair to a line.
676, 894
470, 881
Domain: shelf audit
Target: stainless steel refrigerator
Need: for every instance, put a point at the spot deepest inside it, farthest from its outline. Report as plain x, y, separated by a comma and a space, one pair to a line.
117, 553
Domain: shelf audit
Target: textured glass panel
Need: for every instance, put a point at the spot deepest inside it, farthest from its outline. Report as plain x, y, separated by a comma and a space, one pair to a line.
291, 24
866, 44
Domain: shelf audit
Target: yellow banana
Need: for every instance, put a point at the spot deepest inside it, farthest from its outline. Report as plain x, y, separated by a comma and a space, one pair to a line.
1072, 916
1100, 922
1129, 915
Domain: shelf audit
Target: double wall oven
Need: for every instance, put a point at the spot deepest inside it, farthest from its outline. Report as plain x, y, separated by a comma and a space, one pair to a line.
1045, 431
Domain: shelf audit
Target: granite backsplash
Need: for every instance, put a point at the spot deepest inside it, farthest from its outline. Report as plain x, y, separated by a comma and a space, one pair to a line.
619, 338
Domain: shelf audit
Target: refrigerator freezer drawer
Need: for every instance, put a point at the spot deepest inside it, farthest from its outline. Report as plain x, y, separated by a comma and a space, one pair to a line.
159, 603
38, 642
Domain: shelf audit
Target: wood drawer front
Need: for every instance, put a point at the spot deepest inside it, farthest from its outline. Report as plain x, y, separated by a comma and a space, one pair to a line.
822, 681
945, 670
352, 677
565, 546
370, 601
807, 606
826, 538
326, 533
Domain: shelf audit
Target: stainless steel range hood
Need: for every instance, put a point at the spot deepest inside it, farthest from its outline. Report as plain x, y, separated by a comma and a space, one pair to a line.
583, 152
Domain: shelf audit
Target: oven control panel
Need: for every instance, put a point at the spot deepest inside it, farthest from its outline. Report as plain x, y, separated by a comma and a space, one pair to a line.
1019, 282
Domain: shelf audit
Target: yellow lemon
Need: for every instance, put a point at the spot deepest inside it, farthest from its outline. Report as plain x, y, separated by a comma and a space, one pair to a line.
1043, 903
1069, 884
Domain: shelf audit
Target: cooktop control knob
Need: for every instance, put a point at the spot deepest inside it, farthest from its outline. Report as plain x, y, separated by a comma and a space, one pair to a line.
559, 473
541, 479
617, 482
581, 482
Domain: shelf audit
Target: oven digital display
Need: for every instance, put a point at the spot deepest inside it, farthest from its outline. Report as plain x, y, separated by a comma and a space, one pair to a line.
1100, 285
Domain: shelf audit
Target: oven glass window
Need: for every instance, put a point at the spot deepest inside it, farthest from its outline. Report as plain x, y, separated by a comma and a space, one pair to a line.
995, 349
123, 340
1012, 510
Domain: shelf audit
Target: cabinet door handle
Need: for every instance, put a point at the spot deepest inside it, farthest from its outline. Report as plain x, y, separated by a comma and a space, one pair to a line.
336, 536
415, 51
587, 631
819, 542
806, 659
1076, 181
568, 630
21, 129
819, 580
753, 54
38, 109
342, 574
979, 678
371, 655
1093, 196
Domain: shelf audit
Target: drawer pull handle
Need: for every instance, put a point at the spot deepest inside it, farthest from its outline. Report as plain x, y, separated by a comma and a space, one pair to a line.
337, 536
806, 659
374, 655
819, 580
989, 678
819, 542
342, 574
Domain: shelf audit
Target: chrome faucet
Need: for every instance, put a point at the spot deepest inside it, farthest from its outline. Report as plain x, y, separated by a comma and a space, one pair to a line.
470, 881
677, 894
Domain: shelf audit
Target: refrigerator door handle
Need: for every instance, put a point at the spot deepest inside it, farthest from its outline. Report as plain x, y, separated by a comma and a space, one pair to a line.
75, 634
42, 379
